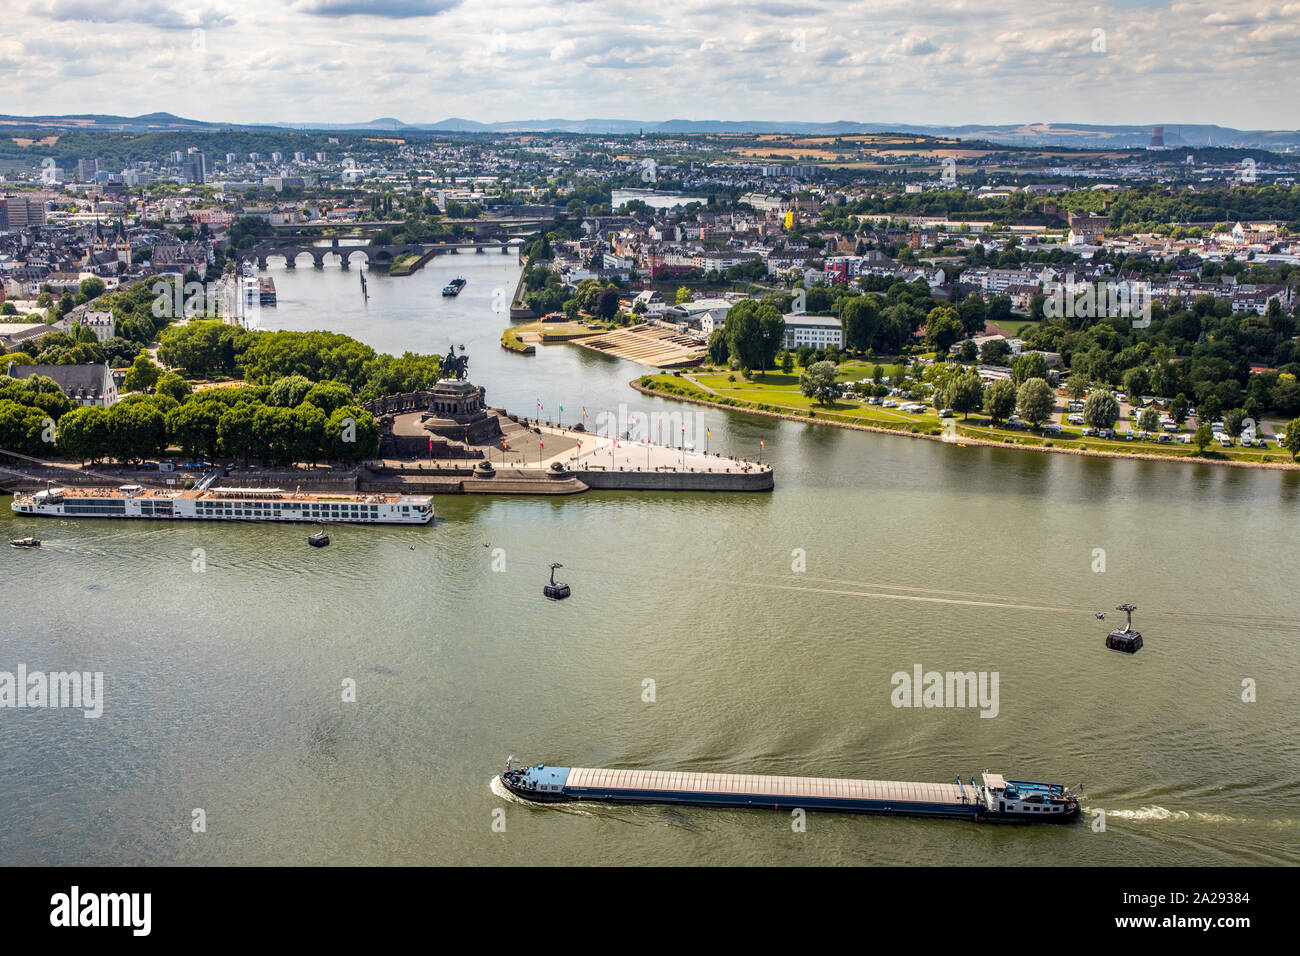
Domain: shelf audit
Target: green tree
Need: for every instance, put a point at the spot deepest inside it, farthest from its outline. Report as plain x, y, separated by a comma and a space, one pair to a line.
966, 393
351, 435
818, 382
1149, 420
995, 352
719, 350
21, 428
1136, 382
1292, 441
1101, 410
195, 427
309, 433
174, 386
236, 431
142, 375
329, 396
1000, 399
1178, 408
1204, 435
860, 321
289, 392
787, 362
683, 295
136, 431
1035, 400
942, 328
83, 434
1028, 365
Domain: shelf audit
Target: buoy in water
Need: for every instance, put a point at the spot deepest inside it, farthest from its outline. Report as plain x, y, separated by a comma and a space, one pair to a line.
556, 590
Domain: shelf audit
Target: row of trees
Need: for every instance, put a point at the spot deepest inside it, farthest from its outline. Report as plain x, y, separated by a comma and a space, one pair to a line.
212, 348
244, 424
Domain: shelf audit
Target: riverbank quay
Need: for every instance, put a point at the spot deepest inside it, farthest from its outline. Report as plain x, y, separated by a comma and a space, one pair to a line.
960, 435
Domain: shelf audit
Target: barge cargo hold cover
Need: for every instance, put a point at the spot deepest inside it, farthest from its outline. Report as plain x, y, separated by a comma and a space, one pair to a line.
995, 800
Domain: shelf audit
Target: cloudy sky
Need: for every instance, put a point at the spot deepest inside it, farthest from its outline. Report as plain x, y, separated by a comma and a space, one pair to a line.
905, 61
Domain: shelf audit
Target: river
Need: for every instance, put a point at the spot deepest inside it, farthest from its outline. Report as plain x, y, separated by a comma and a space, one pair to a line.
690, 642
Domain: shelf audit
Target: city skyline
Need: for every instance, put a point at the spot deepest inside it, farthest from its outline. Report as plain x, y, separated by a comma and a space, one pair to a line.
340, 61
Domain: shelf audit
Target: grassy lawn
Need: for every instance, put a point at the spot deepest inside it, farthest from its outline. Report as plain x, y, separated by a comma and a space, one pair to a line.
402, 264
1016, 327
779, 392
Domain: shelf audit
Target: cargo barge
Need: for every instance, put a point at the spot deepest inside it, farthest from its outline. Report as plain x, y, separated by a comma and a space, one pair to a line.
996, 800
453, 287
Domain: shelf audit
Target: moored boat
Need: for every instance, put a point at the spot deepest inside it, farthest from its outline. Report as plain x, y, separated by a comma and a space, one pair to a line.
225, 504
24, 542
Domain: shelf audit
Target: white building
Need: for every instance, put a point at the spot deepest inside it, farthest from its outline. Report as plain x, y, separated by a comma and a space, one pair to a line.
101, 323
815, 331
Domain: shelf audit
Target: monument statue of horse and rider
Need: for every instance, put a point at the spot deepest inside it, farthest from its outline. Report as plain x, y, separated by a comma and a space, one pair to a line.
455, 366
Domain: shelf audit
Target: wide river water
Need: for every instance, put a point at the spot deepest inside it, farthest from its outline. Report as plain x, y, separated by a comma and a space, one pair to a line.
224, 648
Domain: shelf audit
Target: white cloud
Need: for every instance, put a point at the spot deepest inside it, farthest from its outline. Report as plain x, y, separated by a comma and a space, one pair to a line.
914, 61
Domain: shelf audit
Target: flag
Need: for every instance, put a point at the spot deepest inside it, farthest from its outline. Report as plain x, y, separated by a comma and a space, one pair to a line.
541, 444
584, 412
761, 443
708, 432
616, 444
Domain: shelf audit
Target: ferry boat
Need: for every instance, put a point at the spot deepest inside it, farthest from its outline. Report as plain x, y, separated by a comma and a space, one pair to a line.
996, 800
454, 286
225, 504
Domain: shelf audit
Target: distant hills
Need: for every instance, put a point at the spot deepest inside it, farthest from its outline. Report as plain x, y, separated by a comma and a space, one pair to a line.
1027, 134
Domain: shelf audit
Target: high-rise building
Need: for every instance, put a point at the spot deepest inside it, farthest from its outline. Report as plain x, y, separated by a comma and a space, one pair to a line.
1157, 138
277, 157
299, 157
230, 159
86, 169
197, 166
19, 211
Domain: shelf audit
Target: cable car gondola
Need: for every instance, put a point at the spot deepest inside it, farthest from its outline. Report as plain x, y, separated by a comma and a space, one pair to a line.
556, 590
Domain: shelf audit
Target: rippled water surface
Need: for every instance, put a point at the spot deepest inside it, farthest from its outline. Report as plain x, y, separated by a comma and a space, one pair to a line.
223, 687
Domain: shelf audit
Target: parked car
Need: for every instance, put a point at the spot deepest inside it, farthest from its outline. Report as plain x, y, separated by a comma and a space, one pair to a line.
1075, 419
1225, 441
1051, 429
1107, 433
1089, 432
945, 413
1170, 426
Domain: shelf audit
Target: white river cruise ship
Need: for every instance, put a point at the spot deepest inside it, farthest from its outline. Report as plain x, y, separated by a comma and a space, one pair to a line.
225, 504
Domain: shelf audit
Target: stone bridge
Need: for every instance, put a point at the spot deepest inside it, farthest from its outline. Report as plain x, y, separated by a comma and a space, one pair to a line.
374, 256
